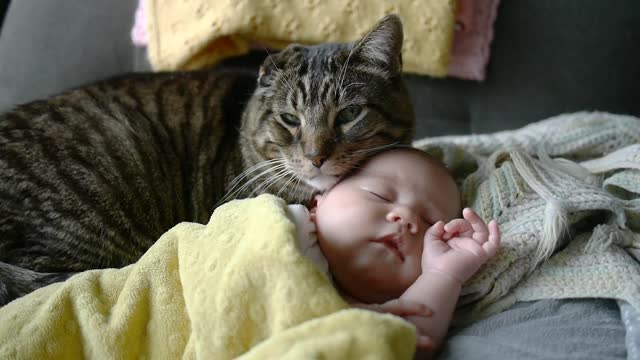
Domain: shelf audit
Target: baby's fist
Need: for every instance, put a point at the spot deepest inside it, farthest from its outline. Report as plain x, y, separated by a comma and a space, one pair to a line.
461, 246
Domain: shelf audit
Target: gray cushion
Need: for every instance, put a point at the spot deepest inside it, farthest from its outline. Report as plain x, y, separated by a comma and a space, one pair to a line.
572, 329
50, 46
547, 57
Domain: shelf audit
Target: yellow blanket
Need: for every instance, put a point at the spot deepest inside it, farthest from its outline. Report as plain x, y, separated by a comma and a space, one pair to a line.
194, 34
237, 287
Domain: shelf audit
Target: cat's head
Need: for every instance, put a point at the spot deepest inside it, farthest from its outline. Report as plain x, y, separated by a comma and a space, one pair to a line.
318, 111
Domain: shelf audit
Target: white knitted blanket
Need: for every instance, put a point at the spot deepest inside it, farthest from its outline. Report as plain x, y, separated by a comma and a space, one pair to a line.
566, 192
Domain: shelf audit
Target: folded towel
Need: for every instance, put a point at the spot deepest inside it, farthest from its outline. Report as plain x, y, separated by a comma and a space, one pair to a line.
237, 287
197, 33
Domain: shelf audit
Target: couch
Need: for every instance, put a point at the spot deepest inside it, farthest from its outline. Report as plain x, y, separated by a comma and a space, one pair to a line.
547, 57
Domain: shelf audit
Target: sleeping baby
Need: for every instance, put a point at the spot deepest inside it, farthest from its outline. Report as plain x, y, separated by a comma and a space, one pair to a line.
391, 238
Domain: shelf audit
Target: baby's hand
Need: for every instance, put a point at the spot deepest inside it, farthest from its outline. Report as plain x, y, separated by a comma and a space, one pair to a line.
460, 247
406, 309
398, 307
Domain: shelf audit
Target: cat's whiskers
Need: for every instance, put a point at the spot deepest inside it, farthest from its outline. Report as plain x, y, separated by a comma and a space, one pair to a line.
343, 72
231, 194
235, 182
269, 181
293, 177
277, 166
300, 196
271, 59
378, 148
352, 84
255, 167
290, 87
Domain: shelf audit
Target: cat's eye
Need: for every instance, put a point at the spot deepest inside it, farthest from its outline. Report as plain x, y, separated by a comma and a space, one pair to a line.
348, 114
290, 119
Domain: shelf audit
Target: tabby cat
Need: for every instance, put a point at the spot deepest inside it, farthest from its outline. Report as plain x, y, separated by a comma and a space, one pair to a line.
91, 178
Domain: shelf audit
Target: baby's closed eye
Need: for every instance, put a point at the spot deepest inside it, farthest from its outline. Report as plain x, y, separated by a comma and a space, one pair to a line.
379, 193
381, 197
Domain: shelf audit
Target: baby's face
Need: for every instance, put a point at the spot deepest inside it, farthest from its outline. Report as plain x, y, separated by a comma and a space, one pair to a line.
371, 225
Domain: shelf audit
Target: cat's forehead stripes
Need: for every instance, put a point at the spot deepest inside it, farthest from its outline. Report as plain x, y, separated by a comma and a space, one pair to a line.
314, 87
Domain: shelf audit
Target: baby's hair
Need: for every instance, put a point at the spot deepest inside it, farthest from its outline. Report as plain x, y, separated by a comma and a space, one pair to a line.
356, 169
407, 148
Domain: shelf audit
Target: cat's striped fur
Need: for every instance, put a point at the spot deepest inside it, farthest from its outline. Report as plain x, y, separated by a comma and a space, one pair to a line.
92, 177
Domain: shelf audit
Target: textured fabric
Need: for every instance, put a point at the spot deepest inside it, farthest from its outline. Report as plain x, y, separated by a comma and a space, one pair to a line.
190, 35
469, 52
307, 238
585, 209
570, 329
236, 287
139, 29
472, 40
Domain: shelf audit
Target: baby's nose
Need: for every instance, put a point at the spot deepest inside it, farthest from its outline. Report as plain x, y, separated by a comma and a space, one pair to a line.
404, 219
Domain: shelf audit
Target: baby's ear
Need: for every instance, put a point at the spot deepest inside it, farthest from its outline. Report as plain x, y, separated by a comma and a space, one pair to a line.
315, 202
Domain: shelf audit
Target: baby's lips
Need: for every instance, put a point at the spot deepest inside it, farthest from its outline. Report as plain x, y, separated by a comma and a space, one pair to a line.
393, 242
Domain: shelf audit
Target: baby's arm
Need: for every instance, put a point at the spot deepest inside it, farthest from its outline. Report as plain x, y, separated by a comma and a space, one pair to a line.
452, 254
440, 293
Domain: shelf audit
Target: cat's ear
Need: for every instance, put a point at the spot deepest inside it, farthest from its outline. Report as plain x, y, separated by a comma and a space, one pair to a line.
278, 61
383, 44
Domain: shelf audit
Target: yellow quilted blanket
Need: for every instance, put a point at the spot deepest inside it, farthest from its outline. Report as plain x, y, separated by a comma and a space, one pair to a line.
234, 288
196, 33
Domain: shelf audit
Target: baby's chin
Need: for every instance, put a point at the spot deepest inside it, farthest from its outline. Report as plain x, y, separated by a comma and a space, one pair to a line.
322, 182
368, 290
370, 297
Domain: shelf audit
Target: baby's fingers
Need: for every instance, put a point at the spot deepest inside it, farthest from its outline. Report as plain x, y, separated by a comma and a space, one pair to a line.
458, 226
476, 221
491, 246
435, 232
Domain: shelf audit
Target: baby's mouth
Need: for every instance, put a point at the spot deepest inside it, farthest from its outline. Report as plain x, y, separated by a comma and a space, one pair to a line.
391, 242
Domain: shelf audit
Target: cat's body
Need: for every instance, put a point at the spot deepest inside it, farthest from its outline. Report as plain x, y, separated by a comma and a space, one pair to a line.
91, 178
122, 160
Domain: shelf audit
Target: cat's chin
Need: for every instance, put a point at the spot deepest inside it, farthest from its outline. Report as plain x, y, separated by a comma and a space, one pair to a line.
322, 182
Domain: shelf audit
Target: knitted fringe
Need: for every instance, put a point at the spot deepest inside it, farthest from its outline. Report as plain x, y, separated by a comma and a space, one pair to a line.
555, 226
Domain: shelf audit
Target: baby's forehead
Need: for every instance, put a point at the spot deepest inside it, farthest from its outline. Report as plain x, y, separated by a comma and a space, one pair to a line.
394, 172
406, 159
391, 165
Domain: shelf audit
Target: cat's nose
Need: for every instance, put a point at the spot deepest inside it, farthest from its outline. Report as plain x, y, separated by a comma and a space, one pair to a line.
317, 160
